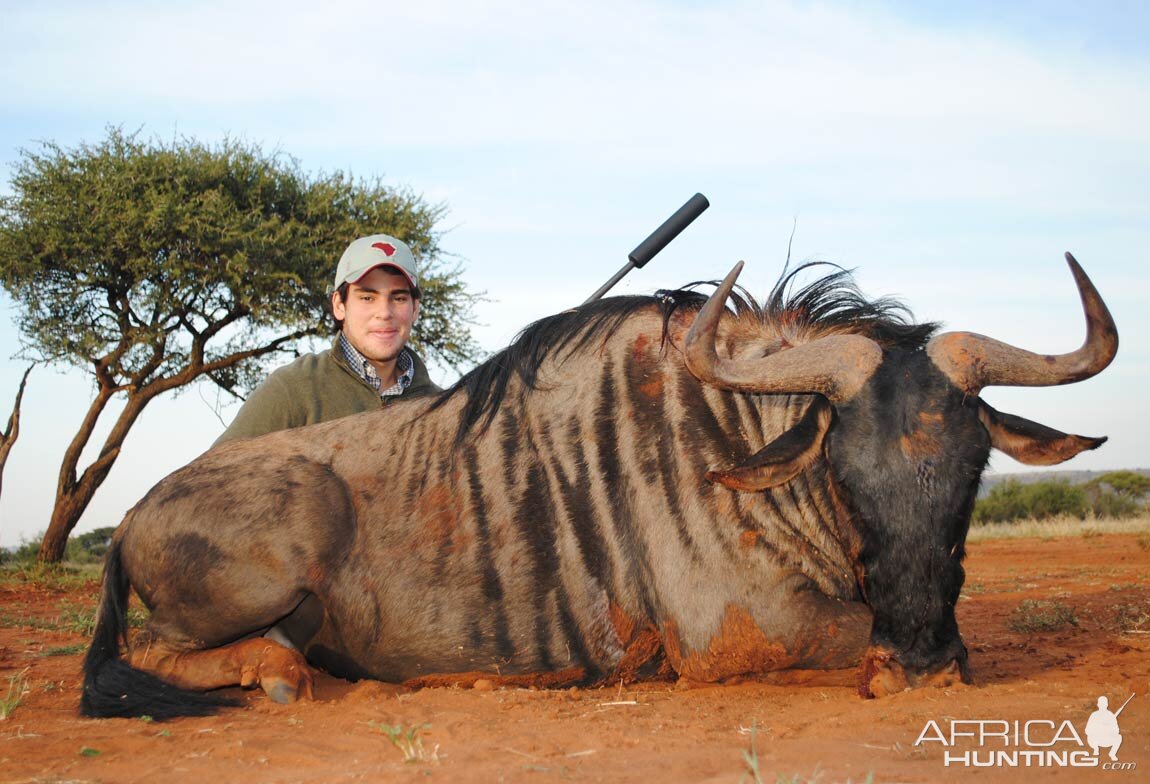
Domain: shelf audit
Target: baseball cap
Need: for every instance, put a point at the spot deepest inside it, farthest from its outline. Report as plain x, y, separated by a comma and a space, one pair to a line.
377, 250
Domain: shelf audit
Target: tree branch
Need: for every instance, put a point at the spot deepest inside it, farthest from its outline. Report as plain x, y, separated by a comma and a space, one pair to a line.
112, 359
12, 431
139, 397
194, 369
66, 481
149, 367
212, 375
228, 244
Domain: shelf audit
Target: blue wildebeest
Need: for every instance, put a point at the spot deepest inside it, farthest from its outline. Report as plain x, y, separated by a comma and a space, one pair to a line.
636, 486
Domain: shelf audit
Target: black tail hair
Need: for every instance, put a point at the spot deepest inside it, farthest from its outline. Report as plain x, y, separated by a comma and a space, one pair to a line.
112, 687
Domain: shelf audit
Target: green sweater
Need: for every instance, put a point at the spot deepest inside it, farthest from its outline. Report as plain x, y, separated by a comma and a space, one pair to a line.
315, 388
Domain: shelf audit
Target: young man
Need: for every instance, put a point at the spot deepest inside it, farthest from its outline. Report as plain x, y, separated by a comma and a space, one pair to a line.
375, 301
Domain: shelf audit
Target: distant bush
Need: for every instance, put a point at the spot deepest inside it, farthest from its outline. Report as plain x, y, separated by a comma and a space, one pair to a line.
24, 554
1126, 484
1118, 493
1113, 495
84, 548
1004, 502
1012, 500
1115, 505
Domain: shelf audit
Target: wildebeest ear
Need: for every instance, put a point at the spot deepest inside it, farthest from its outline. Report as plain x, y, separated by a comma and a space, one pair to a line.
784, 458
1029, 442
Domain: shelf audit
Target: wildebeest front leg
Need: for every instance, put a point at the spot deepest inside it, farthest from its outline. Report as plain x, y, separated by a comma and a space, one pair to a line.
282, 673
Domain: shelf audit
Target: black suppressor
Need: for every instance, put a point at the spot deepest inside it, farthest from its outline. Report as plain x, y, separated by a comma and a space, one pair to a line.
660, 237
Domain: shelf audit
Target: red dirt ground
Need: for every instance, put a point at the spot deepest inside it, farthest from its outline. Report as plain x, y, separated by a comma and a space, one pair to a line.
808, 726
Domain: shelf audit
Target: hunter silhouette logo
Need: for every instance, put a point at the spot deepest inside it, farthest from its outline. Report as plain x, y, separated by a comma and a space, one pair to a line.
1102, 728
387, 248
983, 743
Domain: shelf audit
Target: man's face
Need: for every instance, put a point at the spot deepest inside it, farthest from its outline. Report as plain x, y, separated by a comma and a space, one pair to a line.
378, 314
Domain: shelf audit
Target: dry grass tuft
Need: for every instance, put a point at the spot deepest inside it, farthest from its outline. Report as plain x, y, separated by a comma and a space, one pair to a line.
18, 689
1033, 615
1061, 528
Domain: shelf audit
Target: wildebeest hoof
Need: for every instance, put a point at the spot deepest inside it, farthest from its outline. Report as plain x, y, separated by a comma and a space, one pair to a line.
281, 692
289, 684
885, 682
880, 675
281, 672
953, 675
292, 684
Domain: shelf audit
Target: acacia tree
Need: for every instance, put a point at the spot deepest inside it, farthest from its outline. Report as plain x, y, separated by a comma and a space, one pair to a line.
153, 264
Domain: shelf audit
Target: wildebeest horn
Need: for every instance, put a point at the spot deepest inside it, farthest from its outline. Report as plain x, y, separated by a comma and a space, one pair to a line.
973, 361
835, 366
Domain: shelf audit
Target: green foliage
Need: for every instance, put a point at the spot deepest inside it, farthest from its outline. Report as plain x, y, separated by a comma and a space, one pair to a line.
139, 258
1113, 495
1124, 483
16, 692
1049, 499
1114, 505
751, 760
89, 547
78, 620
153, 264
85, 548
71, 618
64, 650
1118, 493
1012, 500
56, 576
24, 555
408, 740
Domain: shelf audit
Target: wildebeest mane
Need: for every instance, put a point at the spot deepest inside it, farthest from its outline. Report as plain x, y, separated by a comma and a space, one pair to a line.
832, 304
569, 331
828, 305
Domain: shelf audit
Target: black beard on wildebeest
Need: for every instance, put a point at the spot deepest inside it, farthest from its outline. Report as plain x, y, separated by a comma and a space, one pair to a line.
639, 486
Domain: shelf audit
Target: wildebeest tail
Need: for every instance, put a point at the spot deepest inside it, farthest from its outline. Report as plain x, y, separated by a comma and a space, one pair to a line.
112, 687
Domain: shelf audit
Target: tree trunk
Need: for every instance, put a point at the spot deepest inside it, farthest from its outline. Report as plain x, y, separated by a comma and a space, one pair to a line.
65, 514
73, 495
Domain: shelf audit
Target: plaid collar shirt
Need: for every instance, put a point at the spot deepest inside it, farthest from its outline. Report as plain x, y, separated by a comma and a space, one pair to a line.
404, 367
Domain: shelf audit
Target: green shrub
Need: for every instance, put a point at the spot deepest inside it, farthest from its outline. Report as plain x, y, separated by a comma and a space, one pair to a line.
1113, 495
1118, 493
1051, 499
1127, 484
1115, 505
85, 548
1011, 500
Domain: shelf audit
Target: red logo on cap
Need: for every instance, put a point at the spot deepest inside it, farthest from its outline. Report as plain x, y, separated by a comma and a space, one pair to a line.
387, 248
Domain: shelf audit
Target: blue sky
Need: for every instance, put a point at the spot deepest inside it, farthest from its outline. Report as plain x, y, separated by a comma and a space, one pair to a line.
950, 152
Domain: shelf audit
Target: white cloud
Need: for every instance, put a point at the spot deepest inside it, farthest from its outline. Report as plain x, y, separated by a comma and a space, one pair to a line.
464, 73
